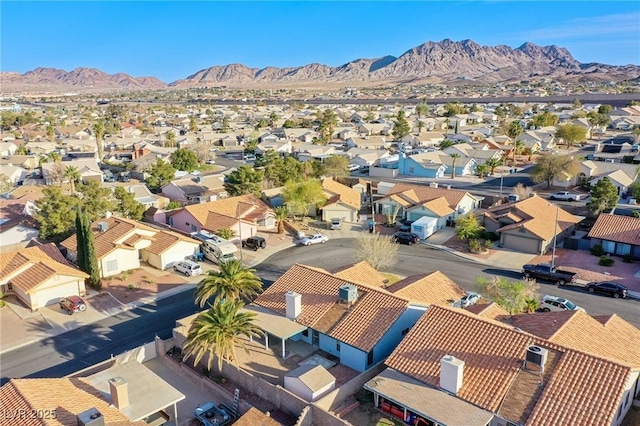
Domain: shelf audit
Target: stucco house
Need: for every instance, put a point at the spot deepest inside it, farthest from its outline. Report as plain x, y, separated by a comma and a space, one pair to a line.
619, 235
247, 211
195, 189
529, 225
121, 244
415, 201
435, 165
342, 202
621, 175
39, 276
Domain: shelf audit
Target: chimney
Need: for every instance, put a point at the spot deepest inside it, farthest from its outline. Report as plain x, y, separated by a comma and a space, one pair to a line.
451, 372
448, 186
119, 392
598, 148
294, 304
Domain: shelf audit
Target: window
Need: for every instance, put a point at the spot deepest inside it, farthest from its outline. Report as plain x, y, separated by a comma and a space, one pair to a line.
171, 221
370, 357
112, 265
411, 170
338, 346
315, 338
609, 246
305, 332
187, 223
193, 228
623, 249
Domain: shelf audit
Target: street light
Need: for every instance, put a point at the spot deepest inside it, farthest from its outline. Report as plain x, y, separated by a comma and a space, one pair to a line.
555, 236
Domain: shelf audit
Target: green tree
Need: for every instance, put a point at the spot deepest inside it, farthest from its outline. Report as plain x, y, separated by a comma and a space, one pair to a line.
482, 170
170, 139
422, 110
280, 169
514, 131
127, 205
225, 233
21, 150
5, 184
273, 119
545, 119
493, 163
604, 196
96, 200
576, 104
447, 143
634, 190
571, 133
549, 167
51, 132
98, 132
512, 295
193, 125
244, 180
90, 257
604, 109
420, 125
161, 173
401, 127
217, 332
468, 227
336, 166
173, 205
282, 213
184, 159
451, 109
328, 121
454, 158
377, 250
234, 281
81, 228
73, 175
55, 214
299, 196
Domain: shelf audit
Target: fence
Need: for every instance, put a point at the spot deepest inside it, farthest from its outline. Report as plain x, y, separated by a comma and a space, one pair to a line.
331, 401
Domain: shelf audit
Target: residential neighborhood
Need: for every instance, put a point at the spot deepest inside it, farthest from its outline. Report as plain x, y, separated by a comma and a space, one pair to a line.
134, 229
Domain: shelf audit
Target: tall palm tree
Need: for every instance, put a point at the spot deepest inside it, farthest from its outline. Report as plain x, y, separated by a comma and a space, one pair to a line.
514, 130
98, 132
217, 332
492, 163
234, 281
72, 173
453, 165
170, 139
282, 212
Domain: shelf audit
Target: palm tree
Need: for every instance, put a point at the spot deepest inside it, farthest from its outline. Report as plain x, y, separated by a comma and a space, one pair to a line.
514, 130
453, 165
517, 147
282, 212
170, 139
98, 131
234, 281
225, 233
72, 173
217, 332
420, 125
492, 163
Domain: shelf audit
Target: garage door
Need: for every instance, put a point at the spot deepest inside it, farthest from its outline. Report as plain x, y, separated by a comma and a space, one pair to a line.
50, 296
521, 244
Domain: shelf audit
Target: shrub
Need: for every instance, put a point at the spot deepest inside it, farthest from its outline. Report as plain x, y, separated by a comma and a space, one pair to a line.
492, 236
627, 258
606, 261
597, 250
488, 244
474, 244
132, 287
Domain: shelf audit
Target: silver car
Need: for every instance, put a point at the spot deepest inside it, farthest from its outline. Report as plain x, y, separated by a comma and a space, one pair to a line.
188, 267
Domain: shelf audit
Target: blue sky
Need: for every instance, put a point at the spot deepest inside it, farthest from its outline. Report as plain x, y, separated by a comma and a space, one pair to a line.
171, 39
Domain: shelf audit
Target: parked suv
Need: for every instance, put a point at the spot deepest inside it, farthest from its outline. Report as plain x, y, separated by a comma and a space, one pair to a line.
610, 289
188, 267
254, 243
558, 304
404, 238
73, 304
336, 223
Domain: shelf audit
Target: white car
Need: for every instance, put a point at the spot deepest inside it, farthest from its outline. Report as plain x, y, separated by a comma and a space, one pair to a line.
353, 167
558, 304
188, 267
565, 196
469, 299
314, 239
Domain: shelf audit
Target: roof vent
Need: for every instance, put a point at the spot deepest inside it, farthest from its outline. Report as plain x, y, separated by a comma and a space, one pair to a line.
348, 293
537, 356
90, 417
103, 226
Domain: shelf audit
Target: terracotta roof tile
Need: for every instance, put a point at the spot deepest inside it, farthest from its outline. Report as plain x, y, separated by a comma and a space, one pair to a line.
347, 195
71, 397
621, 229
229, 207
429, 289
426, 193
361, 273
439, 206
255, 417
361, 326
488, 310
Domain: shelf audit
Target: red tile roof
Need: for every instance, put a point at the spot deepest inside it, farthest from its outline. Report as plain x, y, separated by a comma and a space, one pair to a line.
581, 388
621, 229
361, 326
425, 193
429, 289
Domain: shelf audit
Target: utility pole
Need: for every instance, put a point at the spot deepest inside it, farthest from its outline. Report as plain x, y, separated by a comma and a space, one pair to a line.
555, 235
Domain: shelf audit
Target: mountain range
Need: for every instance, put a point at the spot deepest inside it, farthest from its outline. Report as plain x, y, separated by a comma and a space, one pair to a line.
447, 62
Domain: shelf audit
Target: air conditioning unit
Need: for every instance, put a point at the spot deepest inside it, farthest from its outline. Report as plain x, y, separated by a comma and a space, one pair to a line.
103, 226
537, 355
348, 293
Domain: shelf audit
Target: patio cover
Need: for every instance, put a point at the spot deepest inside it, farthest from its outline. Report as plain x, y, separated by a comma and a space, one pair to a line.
273, 323
425, 401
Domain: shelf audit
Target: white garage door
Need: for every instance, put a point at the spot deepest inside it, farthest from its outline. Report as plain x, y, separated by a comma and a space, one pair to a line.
521, 244
50, 296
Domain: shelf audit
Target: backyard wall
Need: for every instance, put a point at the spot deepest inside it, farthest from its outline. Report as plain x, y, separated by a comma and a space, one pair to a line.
333, 399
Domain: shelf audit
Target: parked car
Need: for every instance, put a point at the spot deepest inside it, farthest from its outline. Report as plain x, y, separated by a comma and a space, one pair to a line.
188, 267
210, 414
336, 224
73, 304
364, 169
314, 239
211, 161
565, 196
469, 299
404, 238
545, 271
353, 167
249, 157
254, 243
405, 227
609, 288
558, 304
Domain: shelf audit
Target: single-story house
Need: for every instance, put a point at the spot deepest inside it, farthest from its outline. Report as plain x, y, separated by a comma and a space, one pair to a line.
342, 202
617, 234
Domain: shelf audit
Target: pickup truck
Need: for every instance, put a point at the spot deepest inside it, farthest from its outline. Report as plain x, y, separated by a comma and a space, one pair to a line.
565, 196
545, 272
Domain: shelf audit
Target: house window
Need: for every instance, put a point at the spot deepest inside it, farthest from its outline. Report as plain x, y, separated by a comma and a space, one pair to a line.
305, 332
623, 249
609, 246
337, 346
315, 340
411, 170
193, 228
112, 265
170, 221
370, 358
187, 223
